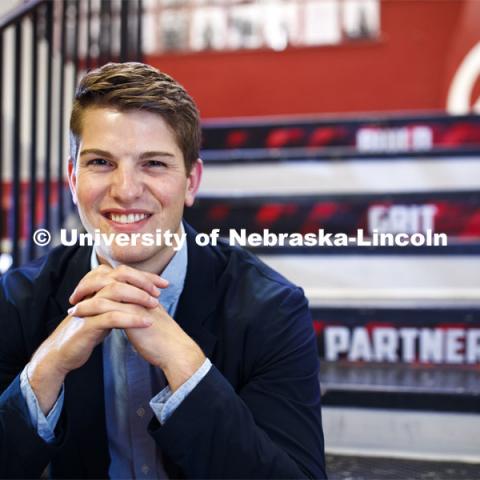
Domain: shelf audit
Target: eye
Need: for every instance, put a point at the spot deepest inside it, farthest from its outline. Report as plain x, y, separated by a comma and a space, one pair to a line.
155, 163
98, 162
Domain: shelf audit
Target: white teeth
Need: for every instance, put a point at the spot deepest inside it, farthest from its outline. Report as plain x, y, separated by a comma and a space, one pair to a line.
130, 218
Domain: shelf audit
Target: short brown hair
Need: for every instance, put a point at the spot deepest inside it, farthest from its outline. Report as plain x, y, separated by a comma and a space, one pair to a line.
137, 86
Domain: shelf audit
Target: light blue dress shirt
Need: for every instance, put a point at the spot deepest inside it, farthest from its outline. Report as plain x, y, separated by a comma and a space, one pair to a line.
129, 385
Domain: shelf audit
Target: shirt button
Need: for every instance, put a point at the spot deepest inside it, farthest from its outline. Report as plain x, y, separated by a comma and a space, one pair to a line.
140, 412
145, 469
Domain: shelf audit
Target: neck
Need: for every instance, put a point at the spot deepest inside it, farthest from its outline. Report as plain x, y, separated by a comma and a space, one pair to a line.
155, 264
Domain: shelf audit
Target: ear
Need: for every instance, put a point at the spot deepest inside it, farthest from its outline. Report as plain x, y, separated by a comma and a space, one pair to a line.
72, 179
193, 182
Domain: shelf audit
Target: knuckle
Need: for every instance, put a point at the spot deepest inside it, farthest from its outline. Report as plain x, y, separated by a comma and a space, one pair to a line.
102, 302
111, 319
89, 303
101, 270
111, 287
122, 269
79, 308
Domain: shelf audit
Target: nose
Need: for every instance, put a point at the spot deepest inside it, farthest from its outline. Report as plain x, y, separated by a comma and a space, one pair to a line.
126, 185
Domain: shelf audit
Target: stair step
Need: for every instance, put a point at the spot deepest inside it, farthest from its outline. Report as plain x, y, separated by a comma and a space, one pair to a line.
343, 467
402, 433
403, 387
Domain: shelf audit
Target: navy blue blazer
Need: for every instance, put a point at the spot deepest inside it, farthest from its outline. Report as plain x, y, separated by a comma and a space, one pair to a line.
256, 414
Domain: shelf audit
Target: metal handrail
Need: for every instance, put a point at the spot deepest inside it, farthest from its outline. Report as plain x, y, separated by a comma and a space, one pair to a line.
19, 13
33, 181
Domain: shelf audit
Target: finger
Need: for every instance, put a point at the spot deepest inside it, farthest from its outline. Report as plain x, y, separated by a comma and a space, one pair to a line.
139, 278
99, 278
122, 292
118, 319
97, 306
91, 283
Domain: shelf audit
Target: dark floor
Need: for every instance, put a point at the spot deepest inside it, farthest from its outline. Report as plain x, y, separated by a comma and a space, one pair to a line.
371, 468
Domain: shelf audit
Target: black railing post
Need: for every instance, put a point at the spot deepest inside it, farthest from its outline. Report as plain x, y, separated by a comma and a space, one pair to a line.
75, 60
33, 138
88, 58
61, 107
16, 142
139, 53
48, 116
105, 35
109, 51
76, 18
124, 31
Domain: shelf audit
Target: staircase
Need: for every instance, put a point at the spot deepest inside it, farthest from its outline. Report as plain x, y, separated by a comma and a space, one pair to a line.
398, 327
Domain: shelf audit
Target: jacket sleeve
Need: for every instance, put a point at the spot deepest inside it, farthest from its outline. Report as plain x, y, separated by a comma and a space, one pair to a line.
23, 454
269, 428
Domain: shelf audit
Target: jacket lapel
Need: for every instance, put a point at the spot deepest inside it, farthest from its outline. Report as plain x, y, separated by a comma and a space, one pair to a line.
198, 300
84, 390
71, 269
196, 307
84, 404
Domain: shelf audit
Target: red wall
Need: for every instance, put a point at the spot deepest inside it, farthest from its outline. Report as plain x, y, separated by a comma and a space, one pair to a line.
404, 70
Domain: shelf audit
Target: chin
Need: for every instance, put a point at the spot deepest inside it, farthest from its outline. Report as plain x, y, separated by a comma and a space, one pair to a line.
129, 255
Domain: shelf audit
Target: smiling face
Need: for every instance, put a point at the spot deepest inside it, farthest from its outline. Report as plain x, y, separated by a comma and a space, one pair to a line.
130, 177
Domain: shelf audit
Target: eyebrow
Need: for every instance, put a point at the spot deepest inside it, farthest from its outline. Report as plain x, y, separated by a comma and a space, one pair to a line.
143, 155
156, 154
96, 151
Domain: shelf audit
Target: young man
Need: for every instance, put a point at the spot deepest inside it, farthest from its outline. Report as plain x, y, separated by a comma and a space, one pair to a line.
145, 360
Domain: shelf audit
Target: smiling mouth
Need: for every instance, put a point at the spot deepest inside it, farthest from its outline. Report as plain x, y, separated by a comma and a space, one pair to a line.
127, 218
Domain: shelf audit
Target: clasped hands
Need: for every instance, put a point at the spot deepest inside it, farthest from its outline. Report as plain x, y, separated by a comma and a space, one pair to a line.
108, 298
